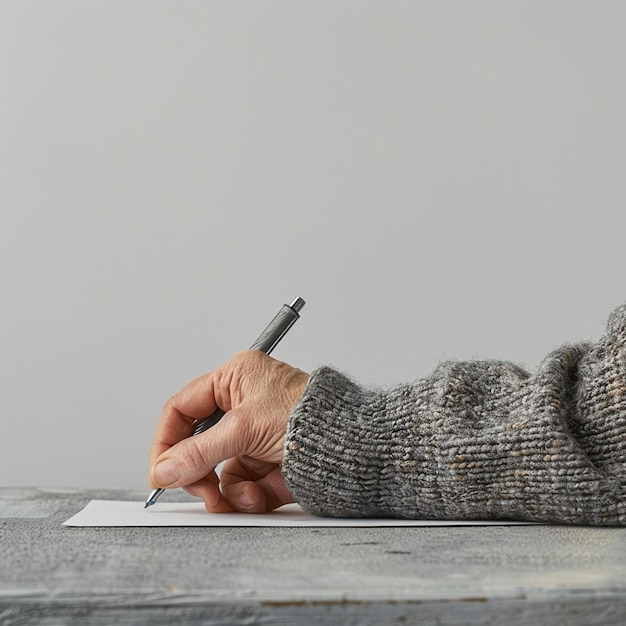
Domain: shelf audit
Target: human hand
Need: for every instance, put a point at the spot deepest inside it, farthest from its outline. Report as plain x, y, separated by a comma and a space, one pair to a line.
257, 394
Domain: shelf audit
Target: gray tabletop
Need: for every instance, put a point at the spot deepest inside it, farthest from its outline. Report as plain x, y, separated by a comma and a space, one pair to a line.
51, 574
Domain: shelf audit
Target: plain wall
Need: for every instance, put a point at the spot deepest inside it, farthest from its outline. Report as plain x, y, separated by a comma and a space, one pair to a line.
437, 179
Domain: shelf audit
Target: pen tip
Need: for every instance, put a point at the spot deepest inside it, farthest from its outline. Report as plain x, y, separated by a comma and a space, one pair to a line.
153, 497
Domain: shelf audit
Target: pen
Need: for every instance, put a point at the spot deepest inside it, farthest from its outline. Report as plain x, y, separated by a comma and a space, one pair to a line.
266, 342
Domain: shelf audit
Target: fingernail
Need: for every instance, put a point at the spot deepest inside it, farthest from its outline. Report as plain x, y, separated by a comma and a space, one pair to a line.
165, 473
212, 497
245, 500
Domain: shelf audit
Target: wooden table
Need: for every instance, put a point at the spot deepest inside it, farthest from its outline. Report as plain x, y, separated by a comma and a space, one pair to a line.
51, 574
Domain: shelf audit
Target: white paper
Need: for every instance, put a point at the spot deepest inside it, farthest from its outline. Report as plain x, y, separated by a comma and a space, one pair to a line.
106, 513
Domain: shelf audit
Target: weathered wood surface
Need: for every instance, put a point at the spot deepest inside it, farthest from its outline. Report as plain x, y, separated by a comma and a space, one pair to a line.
50, 574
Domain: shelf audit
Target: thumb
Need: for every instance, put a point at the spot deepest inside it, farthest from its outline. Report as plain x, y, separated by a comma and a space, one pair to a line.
193, 458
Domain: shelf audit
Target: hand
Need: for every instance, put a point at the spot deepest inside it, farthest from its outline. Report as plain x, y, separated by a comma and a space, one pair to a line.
257, 394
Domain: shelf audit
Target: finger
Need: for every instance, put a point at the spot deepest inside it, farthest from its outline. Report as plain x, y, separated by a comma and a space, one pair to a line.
250, 489
194, 401
173, 427
208, 490
193, 458
258, 496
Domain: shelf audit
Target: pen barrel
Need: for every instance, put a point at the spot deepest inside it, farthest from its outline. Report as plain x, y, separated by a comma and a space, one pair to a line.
266, 342
208, 422
282, 322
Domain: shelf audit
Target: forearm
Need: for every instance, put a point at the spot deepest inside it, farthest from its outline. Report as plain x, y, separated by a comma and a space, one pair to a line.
473, 440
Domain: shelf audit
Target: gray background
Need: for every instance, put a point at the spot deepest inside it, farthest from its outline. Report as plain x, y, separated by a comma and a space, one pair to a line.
437, 180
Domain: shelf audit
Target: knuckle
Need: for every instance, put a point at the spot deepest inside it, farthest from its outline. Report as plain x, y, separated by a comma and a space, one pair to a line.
171, 404
195, 457
250, 359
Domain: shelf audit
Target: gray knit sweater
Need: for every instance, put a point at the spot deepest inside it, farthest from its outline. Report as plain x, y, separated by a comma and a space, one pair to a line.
474, 440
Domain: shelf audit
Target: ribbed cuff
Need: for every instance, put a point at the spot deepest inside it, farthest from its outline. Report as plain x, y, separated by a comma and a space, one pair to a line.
334, 448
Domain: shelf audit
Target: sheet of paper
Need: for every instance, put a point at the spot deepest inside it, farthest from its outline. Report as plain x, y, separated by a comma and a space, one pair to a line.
105, 513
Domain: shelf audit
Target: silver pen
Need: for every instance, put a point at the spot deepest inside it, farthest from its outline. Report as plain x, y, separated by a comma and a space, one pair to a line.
266, 342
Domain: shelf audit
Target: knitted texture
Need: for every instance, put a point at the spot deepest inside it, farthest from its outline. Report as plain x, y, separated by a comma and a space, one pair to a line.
474, 440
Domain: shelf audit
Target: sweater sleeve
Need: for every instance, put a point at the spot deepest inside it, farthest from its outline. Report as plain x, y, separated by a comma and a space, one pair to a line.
474, 440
